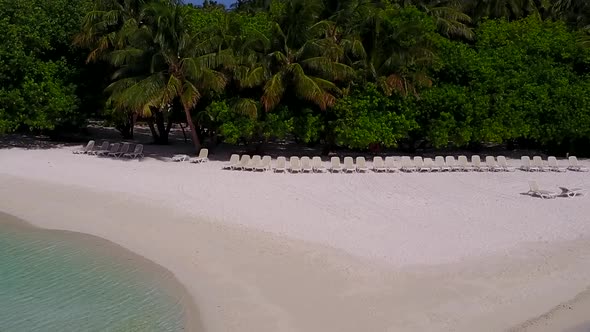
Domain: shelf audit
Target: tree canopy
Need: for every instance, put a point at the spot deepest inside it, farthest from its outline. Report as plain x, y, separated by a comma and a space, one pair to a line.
353, 73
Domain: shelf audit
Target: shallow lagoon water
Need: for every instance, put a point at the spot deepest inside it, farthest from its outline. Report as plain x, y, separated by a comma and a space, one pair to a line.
63, 281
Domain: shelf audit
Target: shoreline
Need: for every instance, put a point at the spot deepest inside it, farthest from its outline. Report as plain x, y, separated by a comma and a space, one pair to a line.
243, 277
161, 276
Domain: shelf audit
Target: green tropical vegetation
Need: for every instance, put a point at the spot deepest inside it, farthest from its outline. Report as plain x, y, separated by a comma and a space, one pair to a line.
360, 74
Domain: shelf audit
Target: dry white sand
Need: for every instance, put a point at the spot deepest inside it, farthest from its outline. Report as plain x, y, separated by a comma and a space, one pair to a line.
327, 252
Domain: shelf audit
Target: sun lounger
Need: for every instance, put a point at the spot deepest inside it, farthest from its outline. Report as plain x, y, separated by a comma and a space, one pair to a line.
378, 165
361, 165
538, 163
85, 149
244, 161
137, 152
429, 166
104, 147
503, 163
256, 161
407, 165
120, 153
281, 165
335, 165
202, 157
234, 159
114, 148
294, 165
526, 164
418, 162
451, 163
264, 164
317, 165
553, 165
349, 165
390, 165
575, 165
571, 192
477, 164
306, 165
536, 192
492, 164
180, 157
439, 162
464, 164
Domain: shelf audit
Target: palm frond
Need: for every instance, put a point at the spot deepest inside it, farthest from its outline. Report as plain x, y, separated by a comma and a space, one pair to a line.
273, 91
246, 106
190, 95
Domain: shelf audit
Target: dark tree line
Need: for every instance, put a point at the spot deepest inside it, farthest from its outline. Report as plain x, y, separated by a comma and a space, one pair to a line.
352, 73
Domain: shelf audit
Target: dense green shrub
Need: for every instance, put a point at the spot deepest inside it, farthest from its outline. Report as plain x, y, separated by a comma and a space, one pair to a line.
369, 117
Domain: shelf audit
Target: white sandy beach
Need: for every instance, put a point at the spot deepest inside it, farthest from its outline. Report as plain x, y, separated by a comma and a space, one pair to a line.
328, 252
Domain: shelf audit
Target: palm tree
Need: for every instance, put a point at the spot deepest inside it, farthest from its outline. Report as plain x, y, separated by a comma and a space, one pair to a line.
107, 26
510, 9
447, 14
398, 52
163, 67
311, 71
574, 12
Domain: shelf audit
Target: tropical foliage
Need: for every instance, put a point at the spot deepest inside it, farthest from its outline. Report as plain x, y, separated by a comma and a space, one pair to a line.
353, 73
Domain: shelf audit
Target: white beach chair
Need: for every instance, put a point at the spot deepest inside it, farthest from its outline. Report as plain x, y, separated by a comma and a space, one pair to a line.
536, 192
439, 161
361, 165
281, 165
349, 166
202, 157
114, 148
104, 147
407, 165
554, 165
306, 165
477, 165
137, 152
85, 149
294, 165
243, 163
255, 162
526, 164
378, 165
492, 164
335, 165
317, 165
503, 163
390, 164
575, 165
429, 166
451, 163
120, 153
180, 157
234, 159
264, 164
419, 164
571, 192
538, 163
464, 165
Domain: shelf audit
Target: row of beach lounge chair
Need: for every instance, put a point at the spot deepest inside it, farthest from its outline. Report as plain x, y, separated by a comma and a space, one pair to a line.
405, 164
116, 150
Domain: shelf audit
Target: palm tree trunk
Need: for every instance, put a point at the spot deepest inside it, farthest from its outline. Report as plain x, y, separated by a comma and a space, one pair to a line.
191, 125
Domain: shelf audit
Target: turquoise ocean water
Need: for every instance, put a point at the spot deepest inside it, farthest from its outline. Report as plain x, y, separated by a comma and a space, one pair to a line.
57, 281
